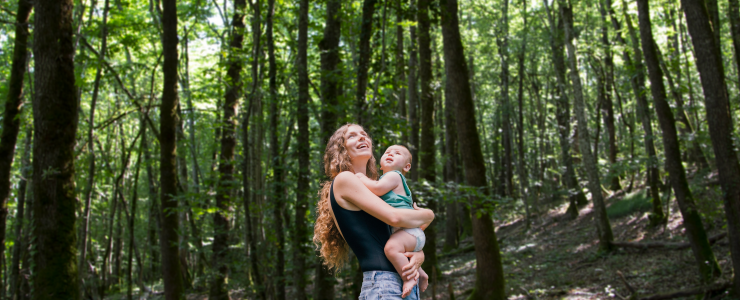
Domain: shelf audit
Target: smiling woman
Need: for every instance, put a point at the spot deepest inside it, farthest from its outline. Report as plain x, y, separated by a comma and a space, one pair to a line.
349, 214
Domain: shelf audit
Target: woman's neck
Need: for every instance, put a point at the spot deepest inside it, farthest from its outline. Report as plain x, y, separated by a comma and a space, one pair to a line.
360, 166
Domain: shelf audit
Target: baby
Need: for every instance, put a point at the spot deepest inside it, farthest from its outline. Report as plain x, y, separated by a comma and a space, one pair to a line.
392, 188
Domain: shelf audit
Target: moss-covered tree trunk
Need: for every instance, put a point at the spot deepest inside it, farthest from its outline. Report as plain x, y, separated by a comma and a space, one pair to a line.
718, 115
55, 109
171, 268
490, 280
603, 227
706, 262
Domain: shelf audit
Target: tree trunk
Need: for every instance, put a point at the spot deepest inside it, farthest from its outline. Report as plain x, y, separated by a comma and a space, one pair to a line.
734, 14
716, 101
426, 150
603, 227
637, 81
413, 100
575, 193
366, 33
503, 43
489, 271
708, 267
11, 117
221, 218
132, 217
452, 162
18, 247
331, 74
303, 150
400, 70
55, 110
607, 106
521, 164
173, 284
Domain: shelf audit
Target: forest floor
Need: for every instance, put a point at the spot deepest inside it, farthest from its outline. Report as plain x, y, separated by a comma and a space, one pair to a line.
558, 258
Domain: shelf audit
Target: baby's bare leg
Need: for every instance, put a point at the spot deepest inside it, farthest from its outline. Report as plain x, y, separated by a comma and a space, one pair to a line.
399, 243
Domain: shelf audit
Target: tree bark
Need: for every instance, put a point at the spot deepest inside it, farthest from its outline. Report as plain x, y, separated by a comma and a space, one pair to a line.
331, 74
363, 65
607, 106
19, 215
557, 43
11, 117
637, 81
173, 284
716, 101
55, 110
413, 100
400, 70
452, 162
603, 227
490, 280
132, 217
521, 164
303, 150
707, 263
734, 14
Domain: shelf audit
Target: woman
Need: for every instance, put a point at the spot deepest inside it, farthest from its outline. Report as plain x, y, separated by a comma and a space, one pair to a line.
350, 215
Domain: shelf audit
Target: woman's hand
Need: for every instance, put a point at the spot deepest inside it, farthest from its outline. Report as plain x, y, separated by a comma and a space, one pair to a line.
412, 269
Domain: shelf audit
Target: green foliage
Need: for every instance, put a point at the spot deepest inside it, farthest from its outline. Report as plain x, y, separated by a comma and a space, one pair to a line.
632, 203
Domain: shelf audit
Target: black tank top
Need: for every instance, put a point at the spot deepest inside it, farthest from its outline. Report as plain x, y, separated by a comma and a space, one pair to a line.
365, 234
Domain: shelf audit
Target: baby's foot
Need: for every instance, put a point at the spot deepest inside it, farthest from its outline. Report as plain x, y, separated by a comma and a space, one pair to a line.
408, 285
423, 281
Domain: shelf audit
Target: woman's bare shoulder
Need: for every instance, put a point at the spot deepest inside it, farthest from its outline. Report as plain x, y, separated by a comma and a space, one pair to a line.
343, 183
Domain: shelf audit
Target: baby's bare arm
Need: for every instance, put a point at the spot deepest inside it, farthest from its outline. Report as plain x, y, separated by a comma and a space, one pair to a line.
382, 186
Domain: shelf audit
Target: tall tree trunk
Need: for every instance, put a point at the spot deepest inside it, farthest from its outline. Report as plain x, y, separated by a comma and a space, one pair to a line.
452, 162
521, 164
173, 284
400, 70
413, 99
490, 280
90, 143
603, 227
363, 65
557, 43
19, 215
11, 117
503, 43
132, 217
276, 159
607, 106
734, 14
248, 176
716, 101
638, 83
303, 150
221, 219
331, 79
55, 110
708, 267
426, 149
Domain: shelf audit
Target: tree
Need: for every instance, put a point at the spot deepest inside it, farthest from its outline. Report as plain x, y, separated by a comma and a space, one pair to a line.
366, 32
716, 101
171, 272
708, 267
11, 117
413, 98
55, 109
490, 280
603, 226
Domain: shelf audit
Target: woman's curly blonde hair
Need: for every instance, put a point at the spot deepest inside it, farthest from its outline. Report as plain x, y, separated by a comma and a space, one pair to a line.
326, 236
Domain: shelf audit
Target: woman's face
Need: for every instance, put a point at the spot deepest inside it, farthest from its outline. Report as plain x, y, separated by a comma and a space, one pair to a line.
357, 143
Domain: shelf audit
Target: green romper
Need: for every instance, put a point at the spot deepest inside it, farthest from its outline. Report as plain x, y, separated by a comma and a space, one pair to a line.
405, 202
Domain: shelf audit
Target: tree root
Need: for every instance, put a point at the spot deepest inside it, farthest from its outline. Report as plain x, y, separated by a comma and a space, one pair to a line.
665, 245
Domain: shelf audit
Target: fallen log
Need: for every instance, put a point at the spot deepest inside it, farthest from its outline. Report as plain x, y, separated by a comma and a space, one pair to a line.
714, 288
665, 245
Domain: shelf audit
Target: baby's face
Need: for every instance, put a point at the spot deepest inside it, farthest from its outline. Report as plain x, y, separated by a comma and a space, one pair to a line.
395, 158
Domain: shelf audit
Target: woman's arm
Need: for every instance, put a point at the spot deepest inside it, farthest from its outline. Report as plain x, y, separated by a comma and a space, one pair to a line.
382, 186
349, 188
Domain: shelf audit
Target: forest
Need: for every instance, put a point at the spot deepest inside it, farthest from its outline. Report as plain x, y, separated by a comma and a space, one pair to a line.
163, 149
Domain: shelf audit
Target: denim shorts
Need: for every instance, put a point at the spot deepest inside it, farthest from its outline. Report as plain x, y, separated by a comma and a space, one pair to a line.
378, 285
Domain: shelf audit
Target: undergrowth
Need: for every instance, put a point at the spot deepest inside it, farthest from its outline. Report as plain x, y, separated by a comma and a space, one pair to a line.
635, 202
